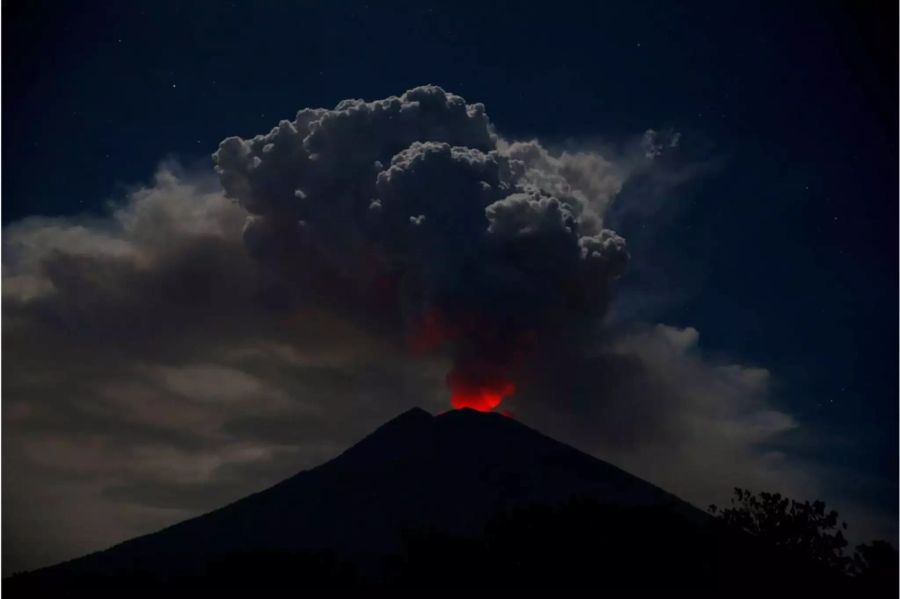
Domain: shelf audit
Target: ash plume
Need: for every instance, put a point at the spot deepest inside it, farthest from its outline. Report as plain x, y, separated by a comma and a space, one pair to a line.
411, 216
188, 348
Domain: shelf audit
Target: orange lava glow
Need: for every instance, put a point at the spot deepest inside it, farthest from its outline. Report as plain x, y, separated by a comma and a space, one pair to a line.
483, 397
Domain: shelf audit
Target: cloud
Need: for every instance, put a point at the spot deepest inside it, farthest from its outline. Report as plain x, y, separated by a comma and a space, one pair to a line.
655, 143
203, 341
583, 178
414, 204
648, 400
148, 349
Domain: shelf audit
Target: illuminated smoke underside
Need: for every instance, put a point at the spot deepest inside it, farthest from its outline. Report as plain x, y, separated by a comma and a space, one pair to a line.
483, 397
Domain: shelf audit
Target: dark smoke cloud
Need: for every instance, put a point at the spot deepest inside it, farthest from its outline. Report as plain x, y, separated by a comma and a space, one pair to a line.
190, 348
415, 203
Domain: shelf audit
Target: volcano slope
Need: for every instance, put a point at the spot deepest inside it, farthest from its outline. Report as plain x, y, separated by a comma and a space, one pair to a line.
460, 499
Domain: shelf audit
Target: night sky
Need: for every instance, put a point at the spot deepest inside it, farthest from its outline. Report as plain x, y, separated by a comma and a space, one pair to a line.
771, 230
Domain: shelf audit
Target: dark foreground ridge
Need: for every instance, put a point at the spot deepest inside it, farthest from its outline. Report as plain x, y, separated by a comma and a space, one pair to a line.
460, 499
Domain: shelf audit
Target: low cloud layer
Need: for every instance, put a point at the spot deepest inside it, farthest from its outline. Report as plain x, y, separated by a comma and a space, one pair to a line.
207, 339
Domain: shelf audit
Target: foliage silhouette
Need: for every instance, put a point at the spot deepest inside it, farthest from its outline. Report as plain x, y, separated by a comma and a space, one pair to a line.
875, 565
805, 528
584, 543
761, 542
808, 531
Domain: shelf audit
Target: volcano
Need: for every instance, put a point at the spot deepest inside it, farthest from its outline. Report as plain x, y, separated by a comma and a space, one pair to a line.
465, 497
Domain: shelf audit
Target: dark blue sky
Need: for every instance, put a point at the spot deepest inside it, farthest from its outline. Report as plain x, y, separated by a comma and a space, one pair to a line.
784, 254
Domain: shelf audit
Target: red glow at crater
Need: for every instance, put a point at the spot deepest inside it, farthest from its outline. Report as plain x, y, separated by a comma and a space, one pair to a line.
483, 396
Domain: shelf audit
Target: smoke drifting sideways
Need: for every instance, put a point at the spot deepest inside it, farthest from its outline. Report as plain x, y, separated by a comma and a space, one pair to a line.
412, 217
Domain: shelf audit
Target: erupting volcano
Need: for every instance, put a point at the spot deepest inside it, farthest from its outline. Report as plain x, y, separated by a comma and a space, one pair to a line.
480, 388
482, 396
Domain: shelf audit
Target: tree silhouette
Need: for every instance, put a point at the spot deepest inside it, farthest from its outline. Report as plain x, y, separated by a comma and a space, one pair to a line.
811, 532
805, 528
762, 541
875, 564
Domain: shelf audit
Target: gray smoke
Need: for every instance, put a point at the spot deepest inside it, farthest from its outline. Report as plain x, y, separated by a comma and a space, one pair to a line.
188, 349
410, 215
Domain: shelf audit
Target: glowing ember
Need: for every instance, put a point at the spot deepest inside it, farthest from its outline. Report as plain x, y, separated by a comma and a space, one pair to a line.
483, 396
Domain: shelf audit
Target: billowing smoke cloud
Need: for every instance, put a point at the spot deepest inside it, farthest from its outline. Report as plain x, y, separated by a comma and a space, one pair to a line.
190, 348
411, 215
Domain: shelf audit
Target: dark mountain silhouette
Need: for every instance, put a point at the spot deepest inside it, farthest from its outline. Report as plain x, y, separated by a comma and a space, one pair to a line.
461, 498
